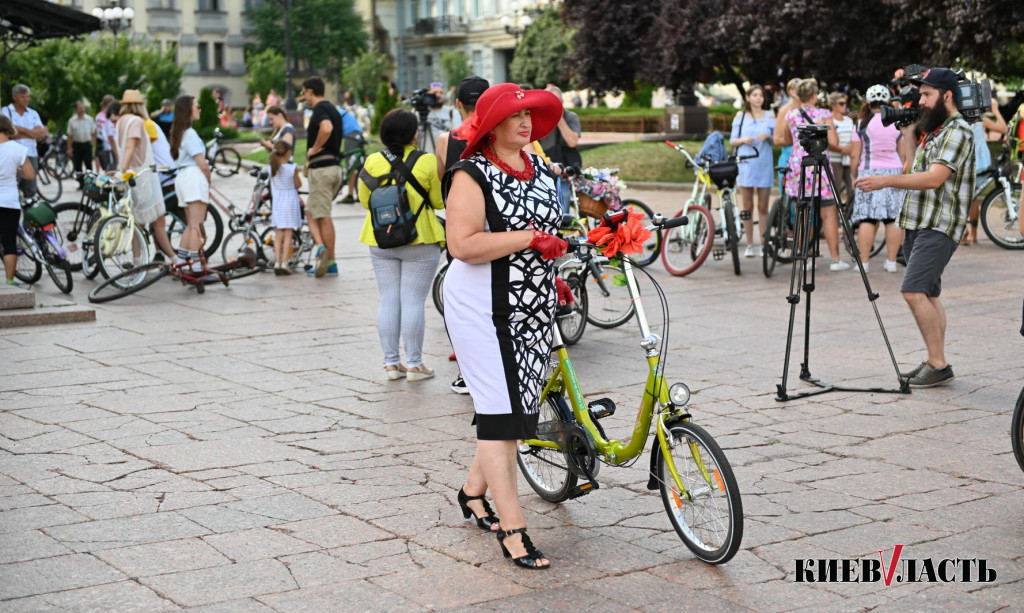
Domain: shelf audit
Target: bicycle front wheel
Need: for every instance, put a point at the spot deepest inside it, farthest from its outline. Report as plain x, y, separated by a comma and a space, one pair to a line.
545, 468
119, 245
606, 286
73, 223
1017, 430
227, 162
1000, 225
28, 269
685, 248
652, 247
571, 326
437, 289
708, 516
58, 268
732, 237
235, 242
775, 241
129, 282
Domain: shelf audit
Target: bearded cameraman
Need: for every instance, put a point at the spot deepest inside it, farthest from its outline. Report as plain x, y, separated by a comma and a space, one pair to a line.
934, 214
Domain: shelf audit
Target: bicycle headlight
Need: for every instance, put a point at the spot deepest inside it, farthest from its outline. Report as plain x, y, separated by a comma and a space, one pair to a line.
679, 394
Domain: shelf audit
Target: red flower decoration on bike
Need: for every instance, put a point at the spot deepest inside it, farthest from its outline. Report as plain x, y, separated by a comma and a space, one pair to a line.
629, 237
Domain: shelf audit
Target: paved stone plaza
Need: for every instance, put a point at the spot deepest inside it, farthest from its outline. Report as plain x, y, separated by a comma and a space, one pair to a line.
243, 451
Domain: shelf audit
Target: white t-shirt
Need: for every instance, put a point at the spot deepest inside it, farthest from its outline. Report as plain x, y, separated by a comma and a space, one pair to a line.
844, 130
191, 146
29, 120
12, 157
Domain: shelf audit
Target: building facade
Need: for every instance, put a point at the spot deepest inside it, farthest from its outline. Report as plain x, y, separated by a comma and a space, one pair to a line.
419, 31
208, 38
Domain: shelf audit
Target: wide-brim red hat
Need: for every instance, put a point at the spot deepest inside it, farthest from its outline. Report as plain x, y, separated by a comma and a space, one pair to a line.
500, 101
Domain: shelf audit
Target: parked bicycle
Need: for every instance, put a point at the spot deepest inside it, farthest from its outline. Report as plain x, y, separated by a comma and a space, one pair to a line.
1000, 211
39, 246
56, 158
225, 161
352, 161
687, 466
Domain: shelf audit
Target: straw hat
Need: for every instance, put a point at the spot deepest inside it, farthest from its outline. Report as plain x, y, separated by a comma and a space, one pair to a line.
132, 96
500, 101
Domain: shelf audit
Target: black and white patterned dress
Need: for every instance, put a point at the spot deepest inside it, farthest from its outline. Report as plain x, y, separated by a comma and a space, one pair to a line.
499, 314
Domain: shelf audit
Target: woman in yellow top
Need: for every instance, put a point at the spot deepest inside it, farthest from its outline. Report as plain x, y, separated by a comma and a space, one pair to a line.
404, 274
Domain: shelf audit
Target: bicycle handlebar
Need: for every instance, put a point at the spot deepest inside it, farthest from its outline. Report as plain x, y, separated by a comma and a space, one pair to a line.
612, 220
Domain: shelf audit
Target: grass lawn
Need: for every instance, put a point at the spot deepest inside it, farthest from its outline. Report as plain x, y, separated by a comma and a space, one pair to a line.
639, 161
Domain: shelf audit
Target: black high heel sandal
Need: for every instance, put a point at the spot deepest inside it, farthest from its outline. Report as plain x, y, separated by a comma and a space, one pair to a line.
484, 523
532, 555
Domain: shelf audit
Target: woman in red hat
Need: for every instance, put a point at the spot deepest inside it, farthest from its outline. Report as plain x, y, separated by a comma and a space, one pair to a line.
499, 294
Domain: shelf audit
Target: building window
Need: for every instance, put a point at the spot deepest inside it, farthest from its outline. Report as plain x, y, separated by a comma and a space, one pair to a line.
414, 73
476, 9
478, 62
251, 4
210, 5
414, 11
163, 4
218, 56
172, 50
428, 70
204, 56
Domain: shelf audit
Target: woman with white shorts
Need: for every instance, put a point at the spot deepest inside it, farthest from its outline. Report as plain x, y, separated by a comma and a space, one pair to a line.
193, 182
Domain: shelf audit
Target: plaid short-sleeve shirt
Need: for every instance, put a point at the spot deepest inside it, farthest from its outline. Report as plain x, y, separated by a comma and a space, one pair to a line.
943, 209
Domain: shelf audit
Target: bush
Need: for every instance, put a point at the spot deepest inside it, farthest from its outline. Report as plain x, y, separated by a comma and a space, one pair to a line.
385, 102
208, 118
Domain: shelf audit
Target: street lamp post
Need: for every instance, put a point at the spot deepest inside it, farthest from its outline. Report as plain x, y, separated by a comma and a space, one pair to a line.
517, 25
115, 19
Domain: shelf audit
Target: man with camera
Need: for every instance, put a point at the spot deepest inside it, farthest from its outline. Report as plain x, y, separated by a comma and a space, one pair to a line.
441, 117
934, 212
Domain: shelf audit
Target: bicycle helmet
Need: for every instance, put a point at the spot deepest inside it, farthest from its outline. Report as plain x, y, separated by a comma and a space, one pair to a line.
878, 93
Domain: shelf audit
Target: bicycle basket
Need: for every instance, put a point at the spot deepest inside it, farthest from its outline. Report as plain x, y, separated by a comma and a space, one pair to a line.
40, 215
723, 174
591, 207
94, 190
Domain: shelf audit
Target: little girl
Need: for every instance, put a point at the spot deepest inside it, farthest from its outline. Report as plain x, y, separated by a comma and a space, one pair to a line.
286, 215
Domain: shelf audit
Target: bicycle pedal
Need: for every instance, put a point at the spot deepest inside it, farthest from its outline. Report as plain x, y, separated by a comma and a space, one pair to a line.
583, 490
718, 254
601, 408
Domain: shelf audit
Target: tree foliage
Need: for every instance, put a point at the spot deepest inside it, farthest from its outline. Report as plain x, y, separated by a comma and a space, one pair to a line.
455, 67
264, 71
61, 72
851, 43
387, 99
362, 75
208, 116
324, 33
541, 56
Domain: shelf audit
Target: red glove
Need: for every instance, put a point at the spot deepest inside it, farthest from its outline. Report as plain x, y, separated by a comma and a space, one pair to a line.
565, 296
548, 245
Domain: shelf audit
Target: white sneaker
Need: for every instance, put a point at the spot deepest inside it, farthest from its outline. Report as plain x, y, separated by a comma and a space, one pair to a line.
866, 265
889, 266
749, 253
840, 265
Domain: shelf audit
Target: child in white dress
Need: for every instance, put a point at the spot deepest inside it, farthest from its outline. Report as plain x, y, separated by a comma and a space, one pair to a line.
286, 215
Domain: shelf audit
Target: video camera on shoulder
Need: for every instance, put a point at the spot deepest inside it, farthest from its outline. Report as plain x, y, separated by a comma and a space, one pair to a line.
973, 98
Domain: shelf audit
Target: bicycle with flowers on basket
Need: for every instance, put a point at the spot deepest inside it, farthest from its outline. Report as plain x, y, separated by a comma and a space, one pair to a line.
687, 466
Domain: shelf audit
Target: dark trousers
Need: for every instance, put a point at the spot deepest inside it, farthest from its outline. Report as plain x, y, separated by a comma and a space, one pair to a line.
81, 155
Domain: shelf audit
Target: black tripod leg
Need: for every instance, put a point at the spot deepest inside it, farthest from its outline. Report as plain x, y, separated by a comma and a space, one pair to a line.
797, 278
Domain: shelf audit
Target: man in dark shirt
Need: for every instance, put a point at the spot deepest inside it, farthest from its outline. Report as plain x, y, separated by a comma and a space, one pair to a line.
323, 154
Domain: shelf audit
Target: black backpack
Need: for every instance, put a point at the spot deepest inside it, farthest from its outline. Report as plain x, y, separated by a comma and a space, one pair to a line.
394, 223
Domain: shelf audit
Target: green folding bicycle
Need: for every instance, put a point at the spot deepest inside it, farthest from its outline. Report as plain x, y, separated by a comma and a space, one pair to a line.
687, 465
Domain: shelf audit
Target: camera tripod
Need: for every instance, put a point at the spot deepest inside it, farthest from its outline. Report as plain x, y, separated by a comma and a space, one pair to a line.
805, 249
426, 139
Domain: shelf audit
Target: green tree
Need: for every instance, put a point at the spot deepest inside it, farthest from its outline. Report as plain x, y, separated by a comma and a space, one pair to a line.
361, 75
455, 67
208, 119
102, 65
541, 56
264, 71
386, 100
324, 33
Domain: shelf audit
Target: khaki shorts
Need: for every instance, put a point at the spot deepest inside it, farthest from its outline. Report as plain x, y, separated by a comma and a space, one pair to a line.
323, 185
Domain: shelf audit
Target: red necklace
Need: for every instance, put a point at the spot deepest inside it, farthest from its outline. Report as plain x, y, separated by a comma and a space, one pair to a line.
523, 175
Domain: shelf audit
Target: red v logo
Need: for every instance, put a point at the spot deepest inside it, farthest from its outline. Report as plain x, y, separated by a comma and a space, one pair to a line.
893, 562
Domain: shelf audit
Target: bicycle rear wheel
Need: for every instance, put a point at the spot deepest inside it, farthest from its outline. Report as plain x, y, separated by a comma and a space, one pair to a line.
73, 224
732, 238
1017, 430
685, 248
997, 221
227, 162
775, 241
545, 468
609, 304
129, 282
571, 326
57, 267
213, 228
437, 288
119, 246
708, 516
235, 242
48, 184
652, 247
28, 269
